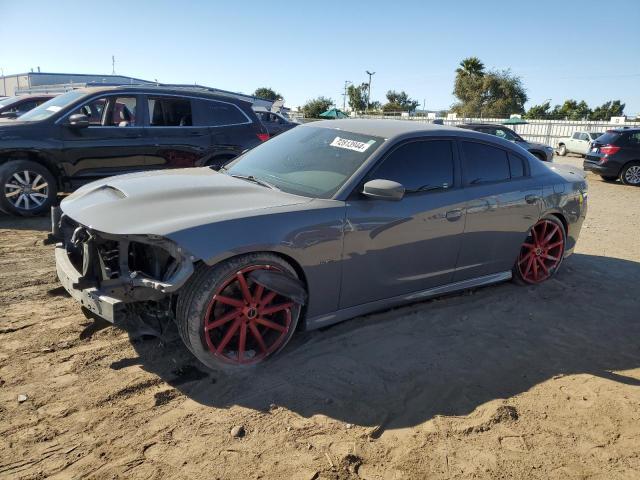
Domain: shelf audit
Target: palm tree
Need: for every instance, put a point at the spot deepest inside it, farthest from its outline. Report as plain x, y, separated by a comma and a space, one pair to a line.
471, 66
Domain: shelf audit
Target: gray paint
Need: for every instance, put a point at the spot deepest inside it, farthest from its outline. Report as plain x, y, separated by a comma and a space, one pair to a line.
355, 253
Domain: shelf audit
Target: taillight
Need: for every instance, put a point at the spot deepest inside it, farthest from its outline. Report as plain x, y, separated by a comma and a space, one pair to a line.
263, 137
609, 149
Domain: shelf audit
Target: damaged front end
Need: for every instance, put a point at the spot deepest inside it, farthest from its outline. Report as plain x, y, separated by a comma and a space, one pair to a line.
118, 276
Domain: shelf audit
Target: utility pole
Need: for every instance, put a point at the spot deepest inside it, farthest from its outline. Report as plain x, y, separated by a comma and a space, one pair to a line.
371, 74
113, 64
344, 95
4, 82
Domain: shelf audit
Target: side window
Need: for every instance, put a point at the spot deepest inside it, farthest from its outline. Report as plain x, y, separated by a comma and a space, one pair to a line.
121, 112
169, 112
576, 136
274, 118
210, 113
484, 163
506, 134
516, 166
26, 106
92, 110
419, 165
584, 136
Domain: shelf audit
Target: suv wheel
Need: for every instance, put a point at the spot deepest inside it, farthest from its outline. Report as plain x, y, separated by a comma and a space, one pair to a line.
562, 150
28, 188
630, 174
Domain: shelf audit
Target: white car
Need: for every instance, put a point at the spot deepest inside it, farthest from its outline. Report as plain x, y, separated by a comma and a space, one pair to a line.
579, 143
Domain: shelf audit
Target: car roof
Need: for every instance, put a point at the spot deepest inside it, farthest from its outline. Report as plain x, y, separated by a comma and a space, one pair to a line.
384, 128
187, 91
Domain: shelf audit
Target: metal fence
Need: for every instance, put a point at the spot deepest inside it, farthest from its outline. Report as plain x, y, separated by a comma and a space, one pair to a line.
548, 132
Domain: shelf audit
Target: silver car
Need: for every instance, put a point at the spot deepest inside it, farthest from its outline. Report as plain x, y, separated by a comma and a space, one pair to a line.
325, 222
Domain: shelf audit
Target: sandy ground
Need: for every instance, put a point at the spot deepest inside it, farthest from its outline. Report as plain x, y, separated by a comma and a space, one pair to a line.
504, 382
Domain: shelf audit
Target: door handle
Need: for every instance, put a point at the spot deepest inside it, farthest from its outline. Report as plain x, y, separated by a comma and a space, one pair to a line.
531, 198
453, 215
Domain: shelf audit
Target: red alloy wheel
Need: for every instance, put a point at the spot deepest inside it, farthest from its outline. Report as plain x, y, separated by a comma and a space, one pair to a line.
246, 322
542, 252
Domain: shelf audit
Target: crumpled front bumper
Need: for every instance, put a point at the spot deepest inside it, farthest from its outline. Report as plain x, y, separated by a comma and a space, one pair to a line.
93, 299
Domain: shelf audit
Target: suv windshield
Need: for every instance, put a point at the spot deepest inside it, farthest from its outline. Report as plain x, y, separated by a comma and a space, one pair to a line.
310, 161
45, 110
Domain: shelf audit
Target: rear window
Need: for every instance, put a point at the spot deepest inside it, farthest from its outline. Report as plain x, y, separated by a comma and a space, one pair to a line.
483, 163
211, 113
609, 138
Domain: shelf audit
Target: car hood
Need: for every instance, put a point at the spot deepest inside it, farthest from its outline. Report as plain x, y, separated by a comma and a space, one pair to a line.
168, 201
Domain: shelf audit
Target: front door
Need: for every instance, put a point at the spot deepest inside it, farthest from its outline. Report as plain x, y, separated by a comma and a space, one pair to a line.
397, 247
113, 143
503, 202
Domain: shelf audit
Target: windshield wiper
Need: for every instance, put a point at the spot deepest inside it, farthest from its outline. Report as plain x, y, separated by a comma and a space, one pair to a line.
253, 179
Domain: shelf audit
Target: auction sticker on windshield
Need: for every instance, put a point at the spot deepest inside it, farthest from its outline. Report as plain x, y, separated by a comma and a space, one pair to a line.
351, 144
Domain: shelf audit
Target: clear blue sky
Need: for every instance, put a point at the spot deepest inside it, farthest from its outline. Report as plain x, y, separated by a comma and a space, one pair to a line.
562, 49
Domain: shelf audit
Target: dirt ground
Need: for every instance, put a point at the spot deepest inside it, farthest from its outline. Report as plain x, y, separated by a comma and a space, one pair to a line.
505, 382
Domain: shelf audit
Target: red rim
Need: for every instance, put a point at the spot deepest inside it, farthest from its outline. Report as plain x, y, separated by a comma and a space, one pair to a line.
246, 322
542, 251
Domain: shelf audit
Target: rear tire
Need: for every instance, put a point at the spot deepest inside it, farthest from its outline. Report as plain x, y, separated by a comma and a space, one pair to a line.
541, 253
562, 149
28, 188
226, 327
630, 174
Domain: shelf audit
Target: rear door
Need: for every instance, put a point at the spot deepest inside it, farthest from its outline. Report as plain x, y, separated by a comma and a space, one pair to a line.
397, 247
503, 201
175, 140
113, 143
229, 128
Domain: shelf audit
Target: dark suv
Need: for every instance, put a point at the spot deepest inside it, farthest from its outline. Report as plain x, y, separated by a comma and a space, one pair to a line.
540, 150
92, 133
616, 154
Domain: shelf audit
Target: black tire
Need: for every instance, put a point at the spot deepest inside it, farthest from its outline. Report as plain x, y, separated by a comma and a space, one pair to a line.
517, 273
630, 174
22, 174
195, 297
562, 149
607, 178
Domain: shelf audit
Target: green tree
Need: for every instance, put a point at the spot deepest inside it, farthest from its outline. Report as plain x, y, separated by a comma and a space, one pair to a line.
399, 102
313, 108
358, 97
571, 110
539, 111
612, 108
268, 94
487, 94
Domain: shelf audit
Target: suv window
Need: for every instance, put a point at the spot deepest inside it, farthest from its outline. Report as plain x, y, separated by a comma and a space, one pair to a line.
483, 163
576, 135
170, 112
419, 165
584, 136
632, 139
121, 112
93, 110
211, 113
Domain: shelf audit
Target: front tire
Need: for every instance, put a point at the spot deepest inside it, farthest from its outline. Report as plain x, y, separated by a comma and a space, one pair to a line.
227, 320
630, 174
541, 253
28, 188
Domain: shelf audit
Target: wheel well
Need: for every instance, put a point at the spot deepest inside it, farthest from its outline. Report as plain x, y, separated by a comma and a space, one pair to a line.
33, 157
563, 220
560, 143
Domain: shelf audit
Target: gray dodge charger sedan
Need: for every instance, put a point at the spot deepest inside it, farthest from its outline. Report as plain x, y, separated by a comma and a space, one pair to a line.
328, 221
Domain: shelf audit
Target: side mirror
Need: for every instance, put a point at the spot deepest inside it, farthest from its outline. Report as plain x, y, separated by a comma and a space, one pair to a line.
78, 120
383, 190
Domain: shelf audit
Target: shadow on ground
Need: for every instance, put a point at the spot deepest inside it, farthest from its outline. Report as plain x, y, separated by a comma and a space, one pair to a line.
400, 368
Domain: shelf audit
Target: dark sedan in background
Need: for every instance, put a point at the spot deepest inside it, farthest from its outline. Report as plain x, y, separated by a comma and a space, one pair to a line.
13, 107
616, 155
325, 222
92, 133
540, 150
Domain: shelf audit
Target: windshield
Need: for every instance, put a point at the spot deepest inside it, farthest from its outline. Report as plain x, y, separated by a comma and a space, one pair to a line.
8, 101
310, 161
44, 111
